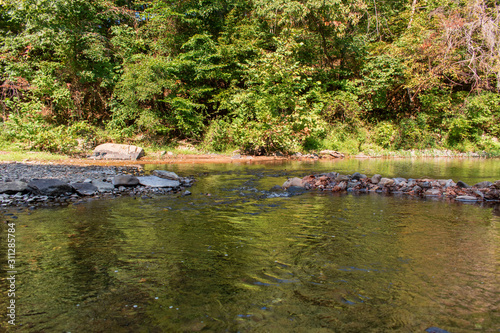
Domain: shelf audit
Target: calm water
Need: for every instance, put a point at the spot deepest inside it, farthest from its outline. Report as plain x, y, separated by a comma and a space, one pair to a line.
234, 257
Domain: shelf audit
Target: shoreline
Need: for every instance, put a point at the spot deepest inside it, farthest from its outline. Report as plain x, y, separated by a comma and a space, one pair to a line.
46, 185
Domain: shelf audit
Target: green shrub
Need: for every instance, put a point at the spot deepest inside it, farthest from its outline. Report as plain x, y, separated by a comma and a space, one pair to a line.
384, 134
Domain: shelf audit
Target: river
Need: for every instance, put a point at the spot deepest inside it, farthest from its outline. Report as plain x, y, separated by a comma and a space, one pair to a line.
236, 257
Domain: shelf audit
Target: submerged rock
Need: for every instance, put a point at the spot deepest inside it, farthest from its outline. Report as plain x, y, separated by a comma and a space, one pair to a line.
125, 180
166, 174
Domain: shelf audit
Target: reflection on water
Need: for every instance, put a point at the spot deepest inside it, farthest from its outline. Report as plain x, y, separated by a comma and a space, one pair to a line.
234, 257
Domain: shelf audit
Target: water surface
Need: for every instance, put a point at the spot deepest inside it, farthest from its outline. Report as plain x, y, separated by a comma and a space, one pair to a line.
236, 257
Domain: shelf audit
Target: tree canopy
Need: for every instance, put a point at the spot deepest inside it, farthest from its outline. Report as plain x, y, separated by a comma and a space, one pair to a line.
258, 75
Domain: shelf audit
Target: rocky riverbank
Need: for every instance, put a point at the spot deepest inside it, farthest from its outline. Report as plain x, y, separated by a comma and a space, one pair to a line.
360, 183
36, 185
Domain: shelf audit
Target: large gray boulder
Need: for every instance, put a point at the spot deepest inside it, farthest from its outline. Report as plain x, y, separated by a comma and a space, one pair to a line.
13, 187
50, 187
85, 188
153, 181
114, 151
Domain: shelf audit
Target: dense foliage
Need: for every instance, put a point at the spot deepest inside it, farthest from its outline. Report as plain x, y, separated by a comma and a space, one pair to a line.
258, 75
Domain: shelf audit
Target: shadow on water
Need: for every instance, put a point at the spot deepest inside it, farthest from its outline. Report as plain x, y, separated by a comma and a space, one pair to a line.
237, 257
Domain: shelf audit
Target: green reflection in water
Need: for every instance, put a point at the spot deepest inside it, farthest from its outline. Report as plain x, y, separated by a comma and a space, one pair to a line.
242, 259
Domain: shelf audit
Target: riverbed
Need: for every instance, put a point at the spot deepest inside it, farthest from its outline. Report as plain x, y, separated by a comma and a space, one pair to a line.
236, 257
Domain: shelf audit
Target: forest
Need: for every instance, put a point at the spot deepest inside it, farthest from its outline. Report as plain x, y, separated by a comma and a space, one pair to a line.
262, 76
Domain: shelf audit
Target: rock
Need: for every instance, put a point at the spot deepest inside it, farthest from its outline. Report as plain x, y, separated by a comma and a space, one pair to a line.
342, 178
496, 184
163, 153
466, 198
357, 176
296, 190
433, 192
114, 151
297, 182
386, 182
492, 195
425, 184
332, 175
166, 174
275, 188
376, 179
186, 193
332, 153
125, 180
399, 180
483, 184
153, 181
461, 184
49, 186
85, 188
169, 153
416, 189
13, 187
103, 186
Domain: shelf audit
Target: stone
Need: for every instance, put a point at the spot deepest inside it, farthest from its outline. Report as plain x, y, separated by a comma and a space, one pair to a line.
332, 175
296, 190
297, 182
461, 184
416, 189
114, 151
84, 189
386, 182
163, 153
434, 192
376, 179
166, 174
496, 184
13, 187
466, 198
186, 193
332, 153
103, 186
425, 184
357, 176
342, 178
49, 186
399, 181
154, 181
125, 180
483, 184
